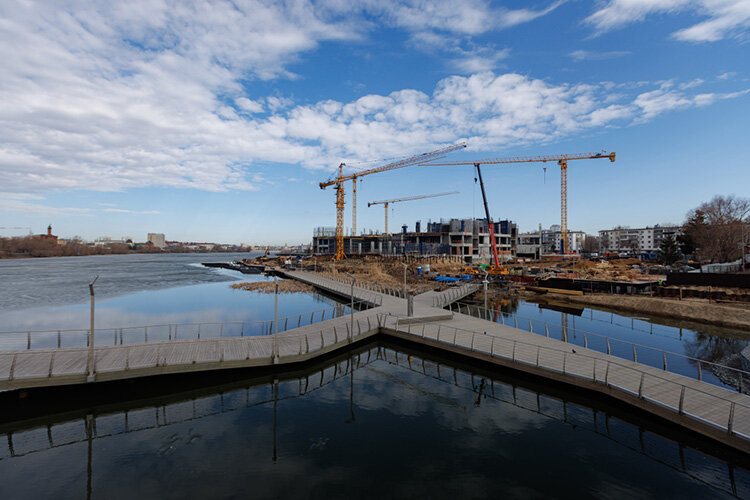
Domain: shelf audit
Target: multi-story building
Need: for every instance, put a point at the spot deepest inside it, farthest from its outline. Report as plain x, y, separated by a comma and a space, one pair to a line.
464, 237
552, 237
157, 239
529, 245
635, 241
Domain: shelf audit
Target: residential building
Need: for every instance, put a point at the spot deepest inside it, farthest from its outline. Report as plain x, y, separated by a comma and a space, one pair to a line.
157, 239
622, 240
552, 237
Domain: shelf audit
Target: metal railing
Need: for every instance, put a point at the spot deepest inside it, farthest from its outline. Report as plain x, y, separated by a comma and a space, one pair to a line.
449, 296
658, 358
689, 395
63, 338
364, 285
42, 437
289, 348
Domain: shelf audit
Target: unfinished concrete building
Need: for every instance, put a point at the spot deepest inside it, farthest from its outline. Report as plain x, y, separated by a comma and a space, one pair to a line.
468, 238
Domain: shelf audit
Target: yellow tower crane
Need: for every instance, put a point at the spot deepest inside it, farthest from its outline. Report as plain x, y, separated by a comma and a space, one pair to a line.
341, 178
385, 203
561, 160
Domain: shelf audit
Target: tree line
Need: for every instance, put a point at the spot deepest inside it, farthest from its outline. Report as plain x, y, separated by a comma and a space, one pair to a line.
34, 247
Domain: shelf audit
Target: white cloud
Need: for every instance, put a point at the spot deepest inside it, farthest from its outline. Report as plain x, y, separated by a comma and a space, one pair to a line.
692, 84
249, 105
479, 60
467, 17
587, 55
16, 203
664, 99
728, 75
111, 98
132, 212
726, 18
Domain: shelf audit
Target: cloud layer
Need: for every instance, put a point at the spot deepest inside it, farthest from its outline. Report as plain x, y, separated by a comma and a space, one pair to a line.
725, 18
110, 97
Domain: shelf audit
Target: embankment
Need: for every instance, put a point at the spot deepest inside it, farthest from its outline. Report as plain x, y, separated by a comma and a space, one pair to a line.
700, 311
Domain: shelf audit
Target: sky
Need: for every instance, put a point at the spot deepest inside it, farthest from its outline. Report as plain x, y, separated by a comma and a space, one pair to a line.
217, 120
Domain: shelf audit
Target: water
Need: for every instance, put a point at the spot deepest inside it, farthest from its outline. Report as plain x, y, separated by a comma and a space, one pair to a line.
135, 290
569, 322
64, 280
380, 422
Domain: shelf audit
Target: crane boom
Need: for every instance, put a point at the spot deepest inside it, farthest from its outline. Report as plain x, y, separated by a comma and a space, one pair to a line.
341, 178
532, 159
561, 160
410, 198
412, 160
385, 203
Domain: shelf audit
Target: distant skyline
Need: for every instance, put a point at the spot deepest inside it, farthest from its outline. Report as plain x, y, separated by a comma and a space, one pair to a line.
215, 121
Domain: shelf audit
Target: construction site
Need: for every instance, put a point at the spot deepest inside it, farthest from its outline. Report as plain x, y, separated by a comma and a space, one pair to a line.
440, 254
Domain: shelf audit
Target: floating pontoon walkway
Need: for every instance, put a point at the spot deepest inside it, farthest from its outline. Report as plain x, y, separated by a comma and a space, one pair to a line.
713, 411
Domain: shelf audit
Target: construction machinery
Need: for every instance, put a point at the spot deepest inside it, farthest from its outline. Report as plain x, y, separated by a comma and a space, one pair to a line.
561, 160
386, 203
339, 180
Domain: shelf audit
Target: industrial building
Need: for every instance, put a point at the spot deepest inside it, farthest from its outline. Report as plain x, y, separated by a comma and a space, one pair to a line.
635, 241
468, 238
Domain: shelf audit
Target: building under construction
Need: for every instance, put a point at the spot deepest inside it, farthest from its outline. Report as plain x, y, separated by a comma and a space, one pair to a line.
468, 238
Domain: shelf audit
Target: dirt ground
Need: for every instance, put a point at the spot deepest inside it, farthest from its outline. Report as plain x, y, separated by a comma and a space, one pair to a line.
698, 310
390, 272
615, 270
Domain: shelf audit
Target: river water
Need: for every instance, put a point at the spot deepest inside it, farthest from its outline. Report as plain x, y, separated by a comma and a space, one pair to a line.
378, 422
383, 422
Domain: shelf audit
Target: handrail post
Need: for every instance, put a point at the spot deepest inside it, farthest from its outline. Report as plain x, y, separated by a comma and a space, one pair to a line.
682, 400
730, 422
91, 372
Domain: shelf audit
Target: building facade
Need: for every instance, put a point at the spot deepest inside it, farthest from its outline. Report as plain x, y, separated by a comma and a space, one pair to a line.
157, 239
635, 241
468, 238
552, 237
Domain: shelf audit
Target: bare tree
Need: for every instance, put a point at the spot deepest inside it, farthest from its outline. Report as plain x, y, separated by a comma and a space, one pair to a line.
591, 244
715, 228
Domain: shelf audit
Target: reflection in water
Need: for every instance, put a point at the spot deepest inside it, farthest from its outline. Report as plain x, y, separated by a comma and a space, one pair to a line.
381, 421
687, 339
712, 347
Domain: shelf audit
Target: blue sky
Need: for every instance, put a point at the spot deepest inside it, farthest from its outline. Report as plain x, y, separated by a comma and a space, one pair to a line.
215, 121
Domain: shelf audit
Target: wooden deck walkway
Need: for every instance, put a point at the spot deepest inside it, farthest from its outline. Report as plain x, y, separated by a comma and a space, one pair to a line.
708, 409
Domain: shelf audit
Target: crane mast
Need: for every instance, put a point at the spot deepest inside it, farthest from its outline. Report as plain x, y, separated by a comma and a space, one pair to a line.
339, 180
561, 160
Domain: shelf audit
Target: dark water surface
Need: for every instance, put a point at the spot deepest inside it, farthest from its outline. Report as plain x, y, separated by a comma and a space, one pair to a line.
380, 422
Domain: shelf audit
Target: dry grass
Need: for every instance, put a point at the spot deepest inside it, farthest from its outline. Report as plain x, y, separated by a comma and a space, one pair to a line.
285, 286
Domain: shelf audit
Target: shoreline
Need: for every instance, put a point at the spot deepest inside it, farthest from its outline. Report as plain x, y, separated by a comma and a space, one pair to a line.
694, 310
